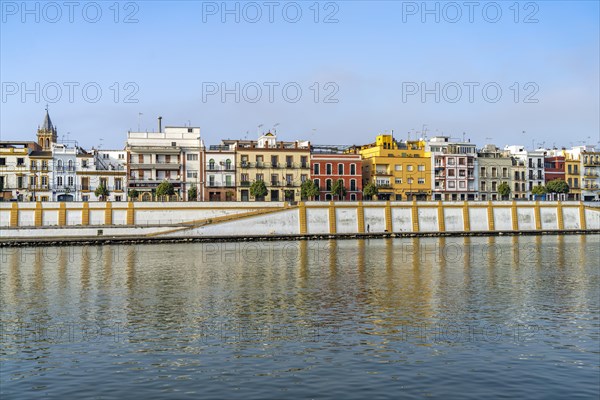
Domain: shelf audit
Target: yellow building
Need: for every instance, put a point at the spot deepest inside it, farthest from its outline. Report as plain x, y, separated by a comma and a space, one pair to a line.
282, 166
573, 175
401, 170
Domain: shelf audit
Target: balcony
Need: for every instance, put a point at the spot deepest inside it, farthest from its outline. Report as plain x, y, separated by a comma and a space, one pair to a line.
245, 183
222, 184
160, 166
382, 173
275, 183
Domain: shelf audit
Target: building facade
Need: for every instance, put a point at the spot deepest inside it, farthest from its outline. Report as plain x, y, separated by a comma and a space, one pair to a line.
174, 156
220, 167
401, 170
282, 166
454, 169
495, 168
329, 165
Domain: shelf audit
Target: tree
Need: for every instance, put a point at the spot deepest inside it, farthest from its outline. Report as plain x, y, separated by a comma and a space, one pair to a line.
504, 190
289, 195
165, 189
338, 189
557, 186
193, 193
539, 190
101, 192
309, 190
258, 189
370, 190
133, 194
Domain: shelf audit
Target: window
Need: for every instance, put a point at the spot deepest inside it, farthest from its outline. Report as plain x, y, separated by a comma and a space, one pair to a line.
304, 161
274, 161
289, 161
318, 183
421, 168
289, 179
2, 162
20, 162
118, 198
228, 164
409, 168
462, 173
352, 169
328, 183
259, 177
192, 157
410, 181
244, 177
451, 161
461, 184
274, 180
398, 181
451, 185
451, 172
103, 182
44, 180
118, 184
211, 164
421, 181
192, 174
398, 167
33, 164
211, 180
59, 181
316, 169
353, 185
70, 168
84, 163
121, 156
328, 169
105, 156
340, 169
303, 178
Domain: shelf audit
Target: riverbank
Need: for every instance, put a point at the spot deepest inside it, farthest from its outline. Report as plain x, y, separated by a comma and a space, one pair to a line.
135, 240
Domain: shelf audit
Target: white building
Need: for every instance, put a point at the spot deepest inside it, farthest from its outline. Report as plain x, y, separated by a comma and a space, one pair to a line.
534, 164
220, 173
103, 167
174, 155
453, 169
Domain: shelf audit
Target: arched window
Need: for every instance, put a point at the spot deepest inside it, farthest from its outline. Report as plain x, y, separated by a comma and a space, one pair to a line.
228, 164
353, 185
328, 184
47, 142
211, 164
59, 164
70, 165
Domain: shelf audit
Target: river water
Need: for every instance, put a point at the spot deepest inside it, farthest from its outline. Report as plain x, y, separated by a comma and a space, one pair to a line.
386, 318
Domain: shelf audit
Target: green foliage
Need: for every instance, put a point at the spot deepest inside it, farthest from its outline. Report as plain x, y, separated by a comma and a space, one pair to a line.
370, 190
165, 189
309, 190
133, 194
193, 193
338, 189
101, 192
557, 186
504, 190
258, 189
539, 190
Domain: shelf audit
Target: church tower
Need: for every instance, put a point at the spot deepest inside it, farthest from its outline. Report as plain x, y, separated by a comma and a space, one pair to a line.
46, 134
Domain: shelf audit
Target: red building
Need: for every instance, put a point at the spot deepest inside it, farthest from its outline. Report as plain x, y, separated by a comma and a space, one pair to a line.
554, 168
329, 165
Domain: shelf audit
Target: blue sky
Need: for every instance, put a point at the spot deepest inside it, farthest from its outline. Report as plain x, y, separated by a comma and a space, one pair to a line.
367, 61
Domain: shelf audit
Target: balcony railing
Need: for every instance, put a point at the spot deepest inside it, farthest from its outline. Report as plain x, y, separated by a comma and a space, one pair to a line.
221, 184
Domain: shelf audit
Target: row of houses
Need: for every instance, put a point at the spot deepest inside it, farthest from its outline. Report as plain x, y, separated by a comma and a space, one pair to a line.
436, 169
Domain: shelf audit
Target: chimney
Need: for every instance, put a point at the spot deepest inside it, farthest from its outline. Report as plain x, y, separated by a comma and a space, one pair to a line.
159, 124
